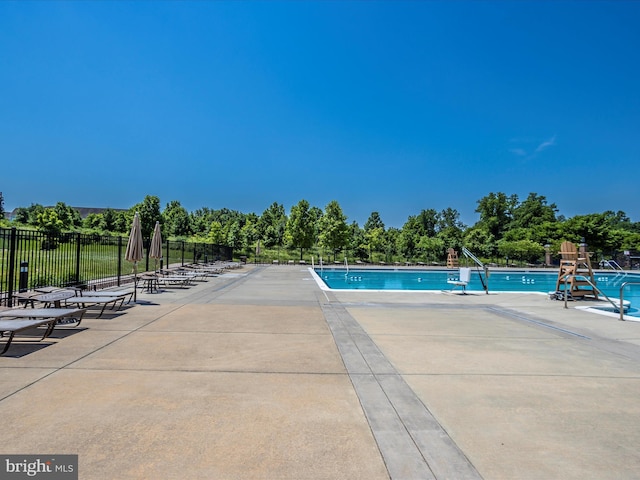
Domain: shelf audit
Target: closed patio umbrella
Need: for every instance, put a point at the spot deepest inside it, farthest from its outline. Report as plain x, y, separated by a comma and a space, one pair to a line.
134, 250
156, 244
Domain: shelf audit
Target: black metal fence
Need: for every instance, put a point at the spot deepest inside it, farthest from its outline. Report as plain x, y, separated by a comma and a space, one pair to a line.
31, 259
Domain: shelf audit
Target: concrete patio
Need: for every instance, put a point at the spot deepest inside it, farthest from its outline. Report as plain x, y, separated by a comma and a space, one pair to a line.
260, 374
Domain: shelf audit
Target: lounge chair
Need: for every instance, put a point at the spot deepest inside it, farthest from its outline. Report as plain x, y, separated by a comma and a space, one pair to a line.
17, 325
110, 293
197, 275
55, 298
464, 276
13, 321
167, 279
87, 301
210, 270
26, 298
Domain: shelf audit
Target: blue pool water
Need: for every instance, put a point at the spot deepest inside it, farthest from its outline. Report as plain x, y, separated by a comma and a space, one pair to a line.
499, 281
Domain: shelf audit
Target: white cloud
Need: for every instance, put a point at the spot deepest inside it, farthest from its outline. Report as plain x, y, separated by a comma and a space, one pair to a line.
527, 151
518, 151
546, 144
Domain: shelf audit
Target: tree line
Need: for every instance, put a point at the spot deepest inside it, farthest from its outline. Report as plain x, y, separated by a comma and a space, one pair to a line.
507, 228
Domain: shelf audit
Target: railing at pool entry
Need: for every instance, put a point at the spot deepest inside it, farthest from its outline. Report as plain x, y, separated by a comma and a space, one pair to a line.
622, 296
620, 306
611, 264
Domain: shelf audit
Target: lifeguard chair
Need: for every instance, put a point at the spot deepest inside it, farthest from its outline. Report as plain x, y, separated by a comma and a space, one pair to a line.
452, 258
575, 272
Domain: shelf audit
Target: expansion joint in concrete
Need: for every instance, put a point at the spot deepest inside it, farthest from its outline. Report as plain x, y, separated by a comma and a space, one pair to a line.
411, 441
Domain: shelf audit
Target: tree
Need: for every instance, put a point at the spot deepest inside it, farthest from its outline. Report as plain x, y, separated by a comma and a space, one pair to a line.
121, 222
49, 224
69, 217
315, 214
93, 221
427, 221
272, 225
216, 234
450, 229
524, 250
375, 241
21, 215
149, 212
249, 232
631, 241
374, 221
28, 215
200, 221
333, 228
430, 247
479, 241
374, 234
533, 211
391, 243
409, 237
450, 218
496, 212
357, 242
451, 237
232, 231
1, 206
596, 229
110, 220
300, 230
176, 219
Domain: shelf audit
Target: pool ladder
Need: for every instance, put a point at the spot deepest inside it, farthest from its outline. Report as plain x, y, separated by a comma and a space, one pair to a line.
613, 264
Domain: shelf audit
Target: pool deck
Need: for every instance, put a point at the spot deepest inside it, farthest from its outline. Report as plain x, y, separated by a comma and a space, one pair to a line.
259, 374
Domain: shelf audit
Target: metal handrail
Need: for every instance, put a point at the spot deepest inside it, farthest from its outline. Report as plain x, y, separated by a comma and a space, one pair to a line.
600, 292
613, 264
622, 296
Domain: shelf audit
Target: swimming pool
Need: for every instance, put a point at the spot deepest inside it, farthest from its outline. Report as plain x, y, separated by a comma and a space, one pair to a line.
499, 281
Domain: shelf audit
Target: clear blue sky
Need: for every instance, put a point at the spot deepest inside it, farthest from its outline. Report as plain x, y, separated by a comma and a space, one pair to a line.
385, 106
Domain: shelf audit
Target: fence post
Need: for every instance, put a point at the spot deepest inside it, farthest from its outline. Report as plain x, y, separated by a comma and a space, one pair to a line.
183, 252
78, 258
119, 258
167, 254
12, 266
